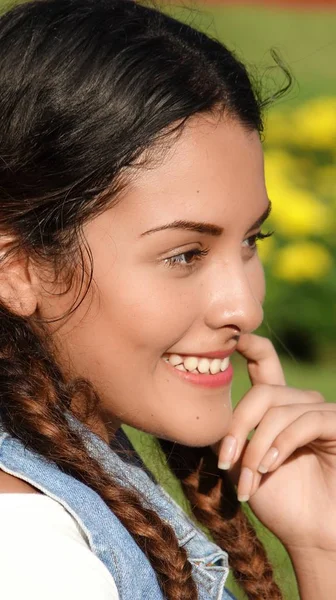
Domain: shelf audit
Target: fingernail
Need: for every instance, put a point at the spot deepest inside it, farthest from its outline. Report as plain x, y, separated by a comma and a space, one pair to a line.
227, 452
268, 460
245, 484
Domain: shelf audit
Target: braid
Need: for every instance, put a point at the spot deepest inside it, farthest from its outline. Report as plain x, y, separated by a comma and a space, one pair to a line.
214, 504
33, 401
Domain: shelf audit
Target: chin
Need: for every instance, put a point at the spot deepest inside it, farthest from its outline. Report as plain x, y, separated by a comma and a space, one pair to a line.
195, 437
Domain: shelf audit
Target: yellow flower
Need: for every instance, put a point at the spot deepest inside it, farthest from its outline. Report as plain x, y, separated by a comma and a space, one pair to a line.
295, 210
314, 123
302, 261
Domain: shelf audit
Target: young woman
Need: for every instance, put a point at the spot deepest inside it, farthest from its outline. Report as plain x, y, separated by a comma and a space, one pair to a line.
132, 199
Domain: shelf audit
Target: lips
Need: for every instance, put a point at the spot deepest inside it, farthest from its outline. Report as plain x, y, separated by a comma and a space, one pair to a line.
209, 380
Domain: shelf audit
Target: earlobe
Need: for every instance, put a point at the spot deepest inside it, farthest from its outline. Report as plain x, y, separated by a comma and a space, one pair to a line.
16, 285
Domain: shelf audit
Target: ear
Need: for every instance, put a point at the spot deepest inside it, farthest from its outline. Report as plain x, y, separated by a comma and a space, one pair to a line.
16, 280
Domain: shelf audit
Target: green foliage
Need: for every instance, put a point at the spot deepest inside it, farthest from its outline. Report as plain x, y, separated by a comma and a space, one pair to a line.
300, 262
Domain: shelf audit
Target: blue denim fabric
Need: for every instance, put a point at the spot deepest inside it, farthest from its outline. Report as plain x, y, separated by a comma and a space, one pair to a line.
107, 537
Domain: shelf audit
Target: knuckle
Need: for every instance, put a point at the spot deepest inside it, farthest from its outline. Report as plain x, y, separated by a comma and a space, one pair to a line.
284, 439
266, 342
273, 413
316, 396
262, 390
319, 415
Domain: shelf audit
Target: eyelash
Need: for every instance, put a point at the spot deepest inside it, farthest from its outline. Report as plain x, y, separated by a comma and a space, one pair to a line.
196, 253
199, 254
259, 237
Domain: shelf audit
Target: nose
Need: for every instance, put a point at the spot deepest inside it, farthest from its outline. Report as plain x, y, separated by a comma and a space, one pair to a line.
236, 295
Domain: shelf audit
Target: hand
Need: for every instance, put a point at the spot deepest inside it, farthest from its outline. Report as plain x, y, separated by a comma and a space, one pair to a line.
288, 469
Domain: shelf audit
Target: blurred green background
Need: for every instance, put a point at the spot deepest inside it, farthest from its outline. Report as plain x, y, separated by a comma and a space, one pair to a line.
300, 149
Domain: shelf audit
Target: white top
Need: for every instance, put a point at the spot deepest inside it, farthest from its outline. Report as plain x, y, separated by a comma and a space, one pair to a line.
44, 554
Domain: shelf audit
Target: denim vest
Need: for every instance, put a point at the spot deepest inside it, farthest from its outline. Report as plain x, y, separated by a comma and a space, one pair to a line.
107, 538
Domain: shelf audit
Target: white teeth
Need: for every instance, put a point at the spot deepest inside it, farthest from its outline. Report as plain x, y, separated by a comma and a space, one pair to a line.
175, 359
197, 365
204, 365
215, 366
225, 363
190, 363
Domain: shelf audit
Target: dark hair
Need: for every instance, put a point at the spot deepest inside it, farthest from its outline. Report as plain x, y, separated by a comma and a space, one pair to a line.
86, 88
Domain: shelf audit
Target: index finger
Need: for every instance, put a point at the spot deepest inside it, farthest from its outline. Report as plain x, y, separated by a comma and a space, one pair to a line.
263, 363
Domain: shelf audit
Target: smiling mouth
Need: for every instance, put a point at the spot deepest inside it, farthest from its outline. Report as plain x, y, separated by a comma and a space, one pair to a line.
197, 365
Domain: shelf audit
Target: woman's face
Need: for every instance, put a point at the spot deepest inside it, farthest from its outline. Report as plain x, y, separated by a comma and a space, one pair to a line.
151, 296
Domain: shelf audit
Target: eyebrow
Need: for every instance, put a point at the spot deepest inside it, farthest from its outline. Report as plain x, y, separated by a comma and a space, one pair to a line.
206, 228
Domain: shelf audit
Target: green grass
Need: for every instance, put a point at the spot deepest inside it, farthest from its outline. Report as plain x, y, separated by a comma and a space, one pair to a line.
304, 376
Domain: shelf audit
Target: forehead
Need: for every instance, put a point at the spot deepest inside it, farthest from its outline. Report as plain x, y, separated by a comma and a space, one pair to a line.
213, 169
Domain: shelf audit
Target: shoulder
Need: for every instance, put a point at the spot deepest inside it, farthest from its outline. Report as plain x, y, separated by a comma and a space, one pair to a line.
9, 484
43, 553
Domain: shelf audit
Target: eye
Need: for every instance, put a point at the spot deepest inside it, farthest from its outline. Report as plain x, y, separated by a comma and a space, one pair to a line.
186, 260
252, 241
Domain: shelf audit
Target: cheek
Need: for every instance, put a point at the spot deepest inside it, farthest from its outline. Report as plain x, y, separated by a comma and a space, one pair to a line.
147, 313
